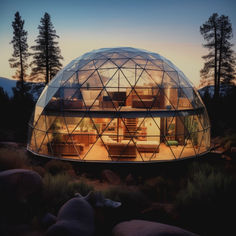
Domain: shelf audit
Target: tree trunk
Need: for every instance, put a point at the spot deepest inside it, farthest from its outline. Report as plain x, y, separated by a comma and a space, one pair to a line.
46, 52
220, 57
216, 92
21, 67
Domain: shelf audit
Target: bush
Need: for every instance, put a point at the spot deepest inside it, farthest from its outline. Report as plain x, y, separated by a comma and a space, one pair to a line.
207, 202
229, 141
13, 159
60, 188
133, 201
55, 167
159, 189
81, 187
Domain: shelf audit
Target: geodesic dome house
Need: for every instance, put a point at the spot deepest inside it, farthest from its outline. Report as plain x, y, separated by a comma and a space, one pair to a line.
119, 104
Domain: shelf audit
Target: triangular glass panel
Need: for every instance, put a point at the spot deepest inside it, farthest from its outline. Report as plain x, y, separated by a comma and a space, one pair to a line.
123, 80
120, 62
183, 80
98, 151
89, 66
107, 74
139, 57
191, 95
183, 101
98, 63
166, 67
114, 82
108, 65
84, 76
56, 82
39, 137
144, 80
57, 129
129, 64
100, 56
200, 140
187, 149
46, 95
66, 76
72, 81
151, 66
33, 145
168, 82
158, 99
103, 125
156, 76
72, 123
141, 62
158, 63
45, 146
72, 99
104, 100
171, 96
130, 76
93, 81
174, 76
137, 99
41, 123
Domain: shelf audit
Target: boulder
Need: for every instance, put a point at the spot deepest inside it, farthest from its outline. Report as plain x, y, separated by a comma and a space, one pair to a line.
148, 228
110, 177
77, 216
20, 183
20, 194
48, 220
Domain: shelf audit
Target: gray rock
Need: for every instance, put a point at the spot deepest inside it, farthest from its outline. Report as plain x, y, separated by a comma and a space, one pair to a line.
148, 228
20, 195
48, 220
20, 183
77, 216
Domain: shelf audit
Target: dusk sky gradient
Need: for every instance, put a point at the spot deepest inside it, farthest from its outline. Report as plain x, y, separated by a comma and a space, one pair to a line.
170, 27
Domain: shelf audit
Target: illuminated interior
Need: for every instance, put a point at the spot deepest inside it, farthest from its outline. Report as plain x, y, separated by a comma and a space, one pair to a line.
119, 104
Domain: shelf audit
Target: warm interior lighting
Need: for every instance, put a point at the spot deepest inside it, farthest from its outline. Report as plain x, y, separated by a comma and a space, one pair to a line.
120, 104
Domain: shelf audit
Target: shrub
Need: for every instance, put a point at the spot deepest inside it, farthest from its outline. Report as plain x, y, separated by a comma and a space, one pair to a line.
55, 167
13, 159
228, 141
133, 201
158, 188
81, 187
60, 188
40, 170
207, 201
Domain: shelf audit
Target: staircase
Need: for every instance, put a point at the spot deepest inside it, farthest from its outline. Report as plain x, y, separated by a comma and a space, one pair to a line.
130, 127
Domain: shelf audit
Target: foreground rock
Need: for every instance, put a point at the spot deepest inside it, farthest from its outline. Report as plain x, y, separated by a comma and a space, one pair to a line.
77, 216
19, 200
20, 184
148, 228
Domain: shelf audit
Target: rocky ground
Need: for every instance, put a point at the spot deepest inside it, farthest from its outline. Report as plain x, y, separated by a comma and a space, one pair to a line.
193, 196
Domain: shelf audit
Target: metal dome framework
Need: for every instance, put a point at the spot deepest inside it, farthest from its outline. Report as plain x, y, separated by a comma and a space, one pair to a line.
119, 104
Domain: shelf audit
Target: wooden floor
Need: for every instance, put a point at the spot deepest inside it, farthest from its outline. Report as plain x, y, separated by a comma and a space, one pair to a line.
97, 152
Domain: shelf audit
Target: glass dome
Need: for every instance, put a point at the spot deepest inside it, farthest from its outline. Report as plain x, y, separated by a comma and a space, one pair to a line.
119, 104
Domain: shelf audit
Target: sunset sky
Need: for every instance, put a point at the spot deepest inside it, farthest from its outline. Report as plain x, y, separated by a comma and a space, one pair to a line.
170, 27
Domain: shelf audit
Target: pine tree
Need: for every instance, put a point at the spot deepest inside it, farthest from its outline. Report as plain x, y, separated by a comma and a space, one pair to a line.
47, 54
220, 61
20, 46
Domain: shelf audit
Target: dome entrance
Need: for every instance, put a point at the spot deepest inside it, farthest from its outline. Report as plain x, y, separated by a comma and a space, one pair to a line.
119, 104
